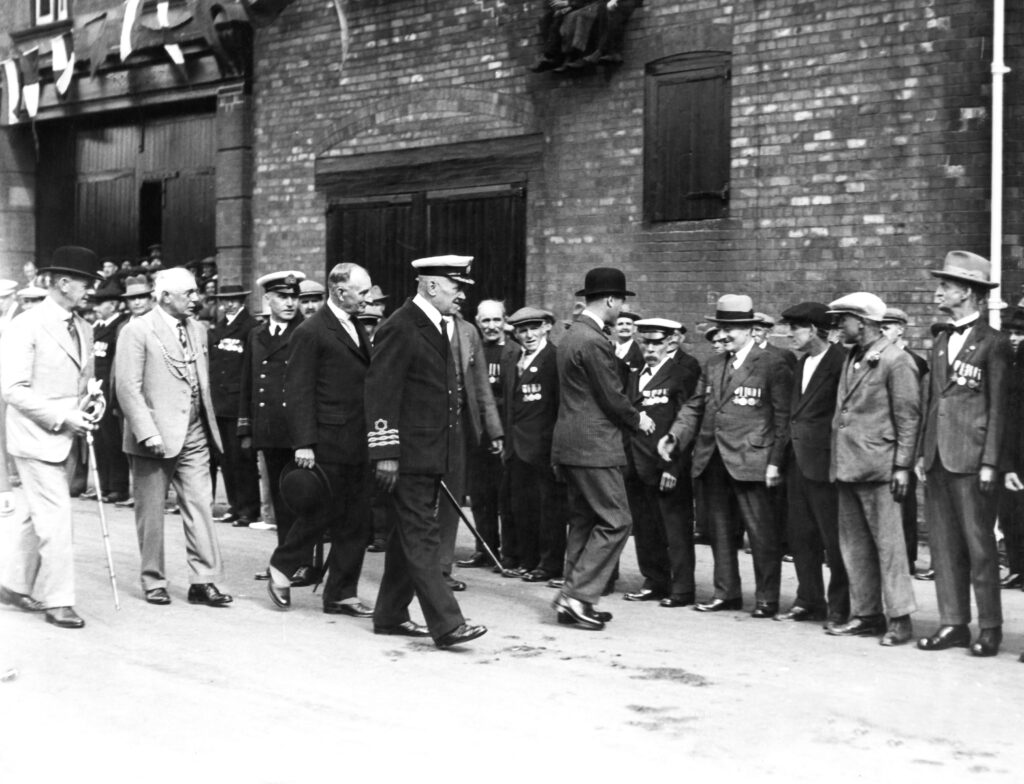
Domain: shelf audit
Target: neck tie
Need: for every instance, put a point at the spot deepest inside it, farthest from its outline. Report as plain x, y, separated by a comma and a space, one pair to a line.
183, 338
444, 335
76, 341
727, 370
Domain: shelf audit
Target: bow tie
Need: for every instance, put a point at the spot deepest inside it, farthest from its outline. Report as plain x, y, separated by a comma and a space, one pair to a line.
949, 329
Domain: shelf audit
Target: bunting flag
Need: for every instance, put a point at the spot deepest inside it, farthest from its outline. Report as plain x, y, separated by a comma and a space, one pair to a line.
99, 46
29, 64
63, 61
163, 17
131, 11
339, 6
12, 90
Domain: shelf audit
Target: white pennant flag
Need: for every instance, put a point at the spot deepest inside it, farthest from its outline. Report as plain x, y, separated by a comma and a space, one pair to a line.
131, 11
63, 64
12, 91
30, 80
163, 17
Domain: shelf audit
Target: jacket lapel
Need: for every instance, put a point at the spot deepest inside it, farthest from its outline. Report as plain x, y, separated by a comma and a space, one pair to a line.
59, 331
739, 376
850, 382
817, 377
967, 352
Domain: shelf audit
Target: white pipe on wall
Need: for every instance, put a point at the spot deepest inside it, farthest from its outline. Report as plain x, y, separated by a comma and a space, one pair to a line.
999, 70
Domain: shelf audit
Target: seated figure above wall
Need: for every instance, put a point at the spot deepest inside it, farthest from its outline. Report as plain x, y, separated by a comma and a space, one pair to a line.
580, 34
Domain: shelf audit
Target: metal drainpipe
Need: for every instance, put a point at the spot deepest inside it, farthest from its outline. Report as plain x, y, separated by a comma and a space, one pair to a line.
999, 69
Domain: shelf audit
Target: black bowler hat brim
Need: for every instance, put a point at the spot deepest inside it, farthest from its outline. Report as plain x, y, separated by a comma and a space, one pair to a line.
605, 292
70, 272
306, 491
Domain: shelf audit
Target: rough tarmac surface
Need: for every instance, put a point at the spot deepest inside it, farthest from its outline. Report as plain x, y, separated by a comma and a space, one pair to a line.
252, 694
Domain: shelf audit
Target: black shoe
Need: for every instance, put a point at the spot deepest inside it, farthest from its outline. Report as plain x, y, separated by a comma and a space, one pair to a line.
281, 595
537, 576
575, 611
798, 613
946, 637
701, 539
404, 629
376, 546
356, 610
207, 593
460, 634
264, 575
765, 610
545, 64
988, 642
718, 605
304, 577
157, 596
1012, 580
643, 595
477, 561
927, 575
241, 522
455, 585
857, 626
64, 617
22, 601
114, 498
900, 631
677, 600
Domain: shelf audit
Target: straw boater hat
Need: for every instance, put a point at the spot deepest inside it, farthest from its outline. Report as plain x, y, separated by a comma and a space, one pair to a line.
966, 267
736, 309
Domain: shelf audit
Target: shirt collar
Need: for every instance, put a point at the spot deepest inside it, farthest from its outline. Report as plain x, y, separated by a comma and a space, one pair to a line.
427, 307
593, 317
342, 315
740, 356
654, 370
169, 319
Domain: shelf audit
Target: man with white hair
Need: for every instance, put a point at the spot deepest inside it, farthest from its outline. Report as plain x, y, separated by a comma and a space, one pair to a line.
163, 388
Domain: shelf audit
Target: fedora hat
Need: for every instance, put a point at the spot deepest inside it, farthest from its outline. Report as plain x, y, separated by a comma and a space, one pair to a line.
1015, 320
604, 280
306, 491
231, 291
108, 290
73, 260
735, 309
966, 267
136, 286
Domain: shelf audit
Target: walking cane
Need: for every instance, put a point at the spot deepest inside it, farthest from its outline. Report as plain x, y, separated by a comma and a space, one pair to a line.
480, 539
96, 405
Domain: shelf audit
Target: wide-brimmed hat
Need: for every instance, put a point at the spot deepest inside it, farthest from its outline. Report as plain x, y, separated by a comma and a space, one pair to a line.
73, 260
108, 290
231, 291
735, 309
862, 304
306, 491
815, 313
136, 286
604, 280
966, 267
376, 295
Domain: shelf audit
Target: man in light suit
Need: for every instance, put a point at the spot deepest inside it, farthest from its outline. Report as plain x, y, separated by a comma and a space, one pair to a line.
45, 364
964, 410
737, 422
588, 448
874, 434
163, 388
813, 519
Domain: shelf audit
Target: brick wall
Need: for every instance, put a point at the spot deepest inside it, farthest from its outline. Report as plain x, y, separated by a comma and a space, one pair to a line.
860, 140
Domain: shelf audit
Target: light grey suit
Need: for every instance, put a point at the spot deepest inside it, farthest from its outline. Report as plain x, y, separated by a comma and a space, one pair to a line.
157, 399
42, 378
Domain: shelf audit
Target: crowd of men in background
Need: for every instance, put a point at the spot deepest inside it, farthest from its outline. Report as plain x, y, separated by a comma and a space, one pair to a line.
330, 424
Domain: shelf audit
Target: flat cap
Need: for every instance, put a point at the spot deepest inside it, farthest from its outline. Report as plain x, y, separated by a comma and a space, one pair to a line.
862, 304
310, 288
31, 293
530, 315
895, 316
815, 313
764, 319
456, 268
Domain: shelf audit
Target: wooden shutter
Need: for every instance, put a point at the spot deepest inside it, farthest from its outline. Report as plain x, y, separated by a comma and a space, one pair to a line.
188, 219
106, 216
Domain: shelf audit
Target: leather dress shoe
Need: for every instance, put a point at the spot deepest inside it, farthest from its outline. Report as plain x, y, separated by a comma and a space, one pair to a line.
477, 561
455, 585
305, 576
354, 609
765, 610
575, 611
946, 637
798, 613
157, 596
988, 642
64, 617
376, 546
537, 576
241, 522
858, 626
517, 571
207, 593
22, 601
717, 605
643, 595
900, 631
677, 600
115, 497
404, 629
264, 575
1012, 580
927, 575
281, 595
460, 634
227, 517
556, 582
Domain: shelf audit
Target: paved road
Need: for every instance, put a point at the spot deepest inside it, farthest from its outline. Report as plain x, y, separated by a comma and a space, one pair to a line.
250, 694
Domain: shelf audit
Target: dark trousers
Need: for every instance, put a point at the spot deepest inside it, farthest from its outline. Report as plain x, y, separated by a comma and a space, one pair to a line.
238, 467
538, 515
964, 552
756, 511
348, 528
1011, 522
484, 478
813, 525
599, 523
663, 535
447, 515
383, 515
284, 517
412, 560
908, 508
111, 462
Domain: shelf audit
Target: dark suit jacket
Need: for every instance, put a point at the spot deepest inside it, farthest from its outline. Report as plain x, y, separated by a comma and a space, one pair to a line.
964, 405
531, 406
1013, 442
410, 394
746, 419
104, 345
874, 429
661, 399
482, 415
262, 405
226, 346
324, 388
691, 370
593, 410
783, 353
811, 411
634, 358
